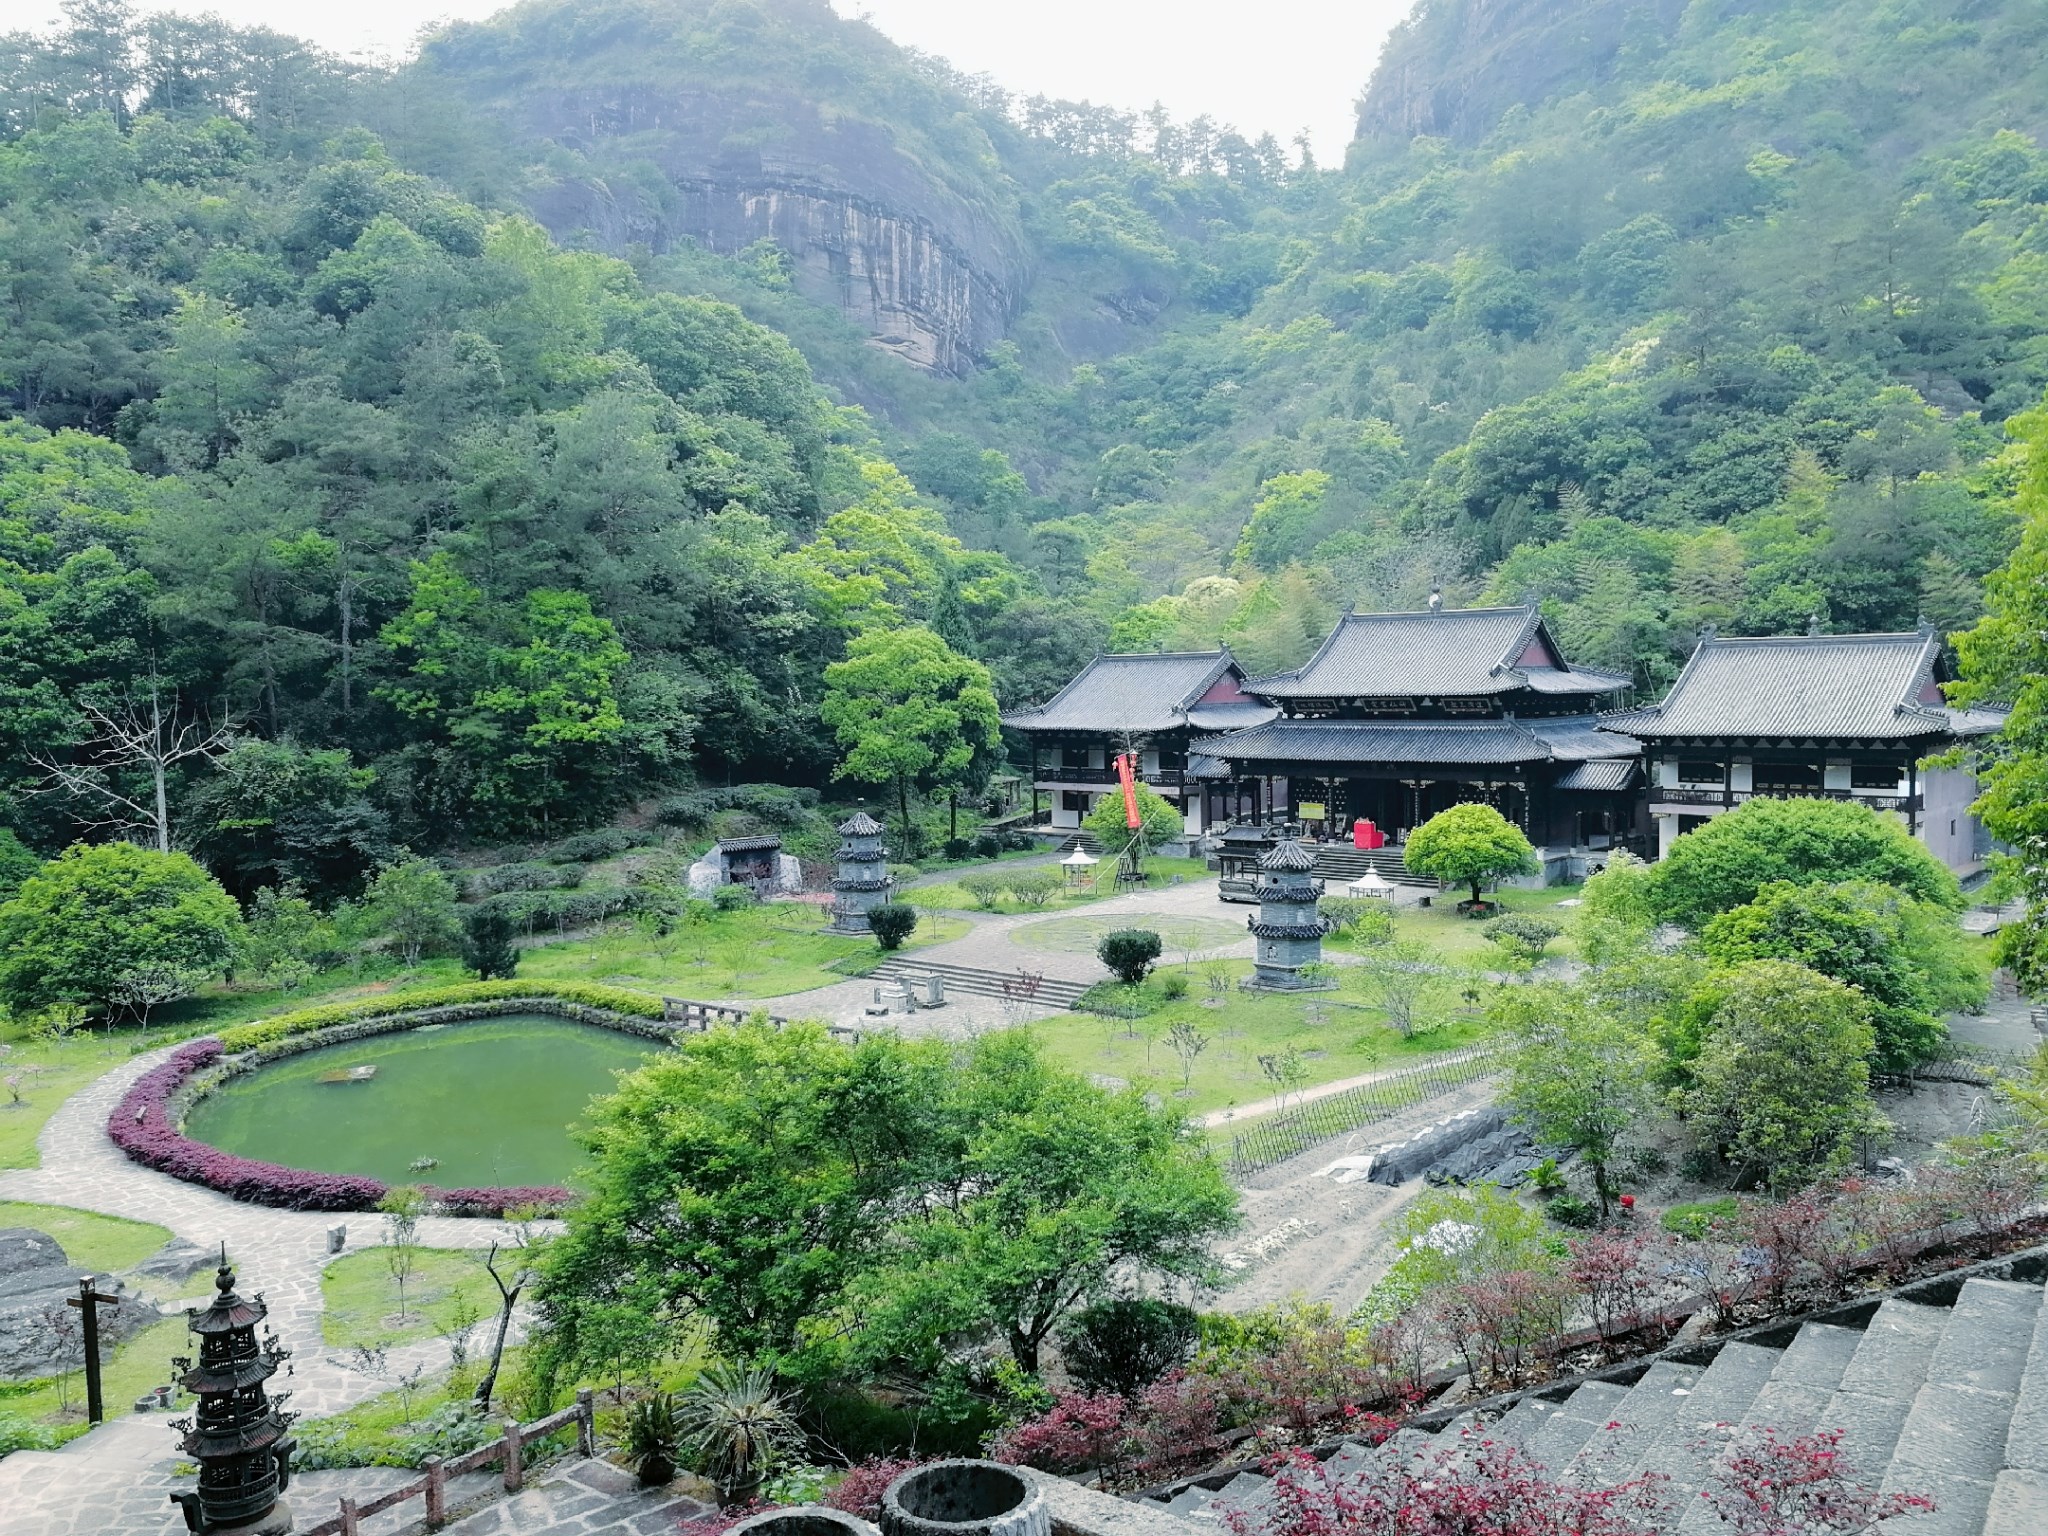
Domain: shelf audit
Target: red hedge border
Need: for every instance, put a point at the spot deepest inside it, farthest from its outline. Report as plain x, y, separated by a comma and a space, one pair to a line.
141, 1127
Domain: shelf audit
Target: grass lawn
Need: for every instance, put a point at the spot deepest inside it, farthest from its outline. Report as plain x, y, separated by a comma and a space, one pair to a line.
950, 896
764, 951
1462, 940
137, 1366
359, 1299
89, 1240
1335, 1035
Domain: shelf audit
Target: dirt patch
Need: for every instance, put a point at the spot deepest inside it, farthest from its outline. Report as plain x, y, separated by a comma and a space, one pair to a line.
1306, 1236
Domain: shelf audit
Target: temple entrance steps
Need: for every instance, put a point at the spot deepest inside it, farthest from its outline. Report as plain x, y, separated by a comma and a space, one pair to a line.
1339, 864
1087, 842
1948, 1400
1023, 985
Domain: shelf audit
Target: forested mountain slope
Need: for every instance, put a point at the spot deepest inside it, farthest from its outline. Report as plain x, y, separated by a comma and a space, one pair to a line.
478, 434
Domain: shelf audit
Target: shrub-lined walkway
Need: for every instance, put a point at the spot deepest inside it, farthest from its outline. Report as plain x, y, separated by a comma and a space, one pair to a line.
112, 1474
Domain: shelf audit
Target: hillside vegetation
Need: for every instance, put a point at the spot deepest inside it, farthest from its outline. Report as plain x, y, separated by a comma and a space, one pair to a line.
1664, 317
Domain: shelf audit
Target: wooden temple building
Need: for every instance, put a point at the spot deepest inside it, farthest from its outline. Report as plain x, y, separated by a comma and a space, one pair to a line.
1153, 704
1842, 717
1398, 716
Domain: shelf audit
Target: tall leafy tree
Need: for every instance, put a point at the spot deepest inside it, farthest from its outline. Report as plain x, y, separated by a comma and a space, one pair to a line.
912, 714
102, 917
1579, 1075
2005, 663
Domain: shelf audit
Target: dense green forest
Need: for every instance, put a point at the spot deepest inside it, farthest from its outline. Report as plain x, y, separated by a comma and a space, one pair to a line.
421, 524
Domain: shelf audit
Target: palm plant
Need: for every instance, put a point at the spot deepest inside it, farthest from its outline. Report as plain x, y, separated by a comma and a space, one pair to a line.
652, 1440
734, 1425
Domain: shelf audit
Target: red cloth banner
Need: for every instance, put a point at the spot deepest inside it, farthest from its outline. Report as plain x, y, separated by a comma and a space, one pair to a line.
1126, 774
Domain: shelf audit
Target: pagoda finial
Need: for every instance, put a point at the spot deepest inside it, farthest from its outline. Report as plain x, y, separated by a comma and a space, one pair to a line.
1436, 599
1813, 623
1924, 624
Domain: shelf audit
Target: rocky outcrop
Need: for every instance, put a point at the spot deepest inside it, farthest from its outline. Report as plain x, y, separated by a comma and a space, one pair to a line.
1455, 66
39, 1334
933, 273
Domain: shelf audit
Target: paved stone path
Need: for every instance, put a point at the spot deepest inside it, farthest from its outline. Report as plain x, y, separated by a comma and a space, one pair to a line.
115, 1478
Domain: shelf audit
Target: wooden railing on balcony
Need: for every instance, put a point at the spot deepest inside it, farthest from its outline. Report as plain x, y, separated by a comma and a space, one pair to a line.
1877, 800
1171, 777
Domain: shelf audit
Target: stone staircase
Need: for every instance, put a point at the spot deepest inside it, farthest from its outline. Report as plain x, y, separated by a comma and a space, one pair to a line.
1950, 1401
1052, 991
1339, 864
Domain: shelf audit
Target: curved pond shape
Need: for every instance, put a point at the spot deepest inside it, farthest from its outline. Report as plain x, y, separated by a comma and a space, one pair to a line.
491, 1101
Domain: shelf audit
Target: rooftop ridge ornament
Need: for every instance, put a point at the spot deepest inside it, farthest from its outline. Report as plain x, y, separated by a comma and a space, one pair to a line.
239, 1432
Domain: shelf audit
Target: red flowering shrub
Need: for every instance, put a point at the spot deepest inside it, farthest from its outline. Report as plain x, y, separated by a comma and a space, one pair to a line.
1179, 1423
1078, 1433
1615, 1274
542, 1198
716, 1522
1482, 1489
860, 1491
141, 1127
1766, 1485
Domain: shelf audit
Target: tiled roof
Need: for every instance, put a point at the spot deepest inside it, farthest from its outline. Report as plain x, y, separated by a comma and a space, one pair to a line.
752, 844
1288, 855
1230, 717
1457, 653
859, 824
1127, 693
1610, 775
1200, 767
1469, 743
1837, 686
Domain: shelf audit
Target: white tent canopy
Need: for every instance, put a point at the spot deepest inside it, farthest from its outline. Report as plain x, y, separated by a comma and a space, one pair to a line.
1369, 884
1080, 858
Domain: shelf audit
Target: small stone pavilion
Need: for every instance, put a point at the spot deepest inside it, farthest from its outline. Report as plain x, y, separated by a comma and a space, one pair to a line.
863, 881
1288, 927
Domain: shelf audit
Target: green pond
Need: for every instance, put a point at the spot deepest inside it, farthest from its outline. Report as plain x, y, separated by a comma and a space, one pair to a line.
491, 1101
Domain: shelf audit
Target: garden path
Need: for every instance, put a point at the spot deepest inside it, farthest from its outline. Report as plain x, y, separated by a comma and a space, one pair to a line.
279, 1253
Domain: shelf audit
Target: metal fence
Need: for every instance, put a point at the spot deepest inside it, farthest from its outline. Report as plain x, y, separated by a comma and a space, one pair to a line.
1296, 1130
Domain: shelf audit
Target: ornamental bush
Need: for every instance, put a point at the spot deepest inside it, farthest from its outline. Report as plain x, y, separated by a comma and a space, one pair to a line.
892, 924
1129, 952
247, 1037
1469, 845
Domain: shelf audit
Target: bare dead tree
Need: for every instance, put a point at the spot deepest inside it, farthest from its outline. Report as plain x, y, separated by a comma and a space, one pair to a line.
142, 737
523, 1266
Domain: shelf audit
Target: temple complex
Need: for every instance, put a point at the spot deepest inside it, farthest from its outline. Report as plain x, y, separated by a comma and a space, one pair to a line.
1398, 716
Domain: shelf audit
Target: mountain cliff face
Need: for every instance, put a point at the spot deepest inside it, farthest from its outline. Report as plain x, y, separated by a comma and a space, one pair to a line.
1455, 66
734, 124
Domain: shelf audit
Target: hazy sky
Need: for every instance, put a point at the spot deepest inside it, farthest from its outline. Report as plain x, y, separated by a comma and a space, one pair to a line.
1279, 65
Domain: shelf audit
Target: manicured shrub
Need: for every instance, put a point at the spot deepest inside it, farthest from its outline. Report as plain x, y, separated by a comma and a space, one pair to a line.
892, 924
1126, 1344
732, 898
957, 848
529, 876
487, 946
986, 845
1522, 935
262, 1032
1129, 952
1173, 986
986, 887
589, 847
1035, 887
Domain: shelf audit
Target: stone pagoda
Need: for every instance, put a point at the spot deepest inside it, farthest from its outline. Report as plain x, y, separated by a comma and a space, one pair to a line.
1288, 928
863, 882
238, 1435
